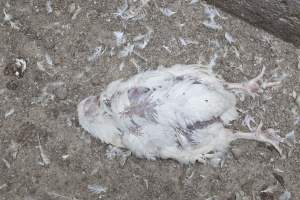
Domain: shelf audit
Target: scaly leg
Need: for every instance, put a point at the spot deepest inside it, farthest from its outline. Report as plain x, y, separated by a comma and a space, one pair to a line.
269, 136
253, 86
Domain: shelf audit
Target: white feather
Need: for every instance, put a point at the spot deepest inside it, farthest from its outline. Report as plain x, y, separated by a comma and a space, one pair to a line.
167, 12
211, 13
96, 188
120, 38
229, 38
126, 51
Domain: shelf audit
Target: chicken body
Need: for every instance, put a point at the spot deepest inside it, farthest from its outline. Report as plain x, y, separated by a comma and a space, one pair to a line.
177, 112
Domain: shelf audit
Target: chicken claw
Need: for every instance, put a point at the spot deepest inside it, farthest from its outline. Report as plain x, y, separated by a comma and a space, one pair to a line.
253, 86
269, 136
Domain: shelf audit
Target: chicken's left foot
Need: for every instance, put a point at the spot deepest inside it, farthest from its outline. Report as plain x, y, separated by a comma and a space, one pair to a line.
253, 86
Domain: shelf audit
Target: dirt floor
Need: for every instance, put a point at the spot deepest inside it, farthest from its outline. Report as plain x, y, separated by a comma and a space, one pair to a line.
71, 52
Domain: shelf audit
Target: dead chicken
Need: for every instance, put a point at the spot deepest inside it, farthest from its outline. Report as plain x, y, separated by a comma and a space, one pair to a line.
177, 113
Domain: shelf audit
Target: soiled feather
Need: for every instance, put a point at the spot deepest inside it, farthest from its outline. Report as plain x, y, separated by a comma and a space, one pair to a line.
176, 112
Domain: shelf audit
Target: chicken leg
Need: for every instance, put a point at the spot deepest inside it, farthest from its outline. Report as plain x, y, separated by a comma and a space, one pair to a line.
269, 136
253, 86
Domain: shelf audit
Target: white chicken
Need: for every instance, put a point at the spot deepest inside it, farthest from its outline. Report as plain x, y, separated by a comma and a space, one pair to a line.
177, 113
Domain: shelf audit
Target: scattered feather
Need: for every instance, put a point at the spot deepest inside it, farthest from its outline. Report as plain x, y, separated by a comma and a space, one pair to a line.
7, 165
50, 70
229, 38
141, 41
270, 189
7, 17
297, 100
120, 38
140, 56
135, 12
212, 62
212, 25
121, 66
97, 189
167, 12
120, 11
14, 25
64, 157
285, 196
187, 41
48, 7
3, 186
9, 113
115, 152
236, 52
211, 13
44, 157
167, 48
48, 59
279, 76
146, 183
194, 1
69, 122
47, 93
72, 7
291, 137
98, 51
76, 13
14, 149
294, 94
278, 170
137, 66
126, 51
56, 195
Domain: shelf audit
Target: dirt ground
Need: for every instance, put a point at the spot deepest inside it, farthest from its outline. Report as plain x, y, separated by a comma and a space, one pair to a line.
71, 52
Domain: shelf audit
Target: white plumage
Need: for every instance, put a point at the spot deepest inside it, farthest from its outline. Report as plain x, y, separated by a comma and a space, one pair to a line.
177, 112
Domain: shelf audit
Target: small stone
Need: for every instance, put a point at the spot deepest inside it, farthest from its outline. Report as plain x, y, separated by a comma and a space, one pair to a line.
11, 85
